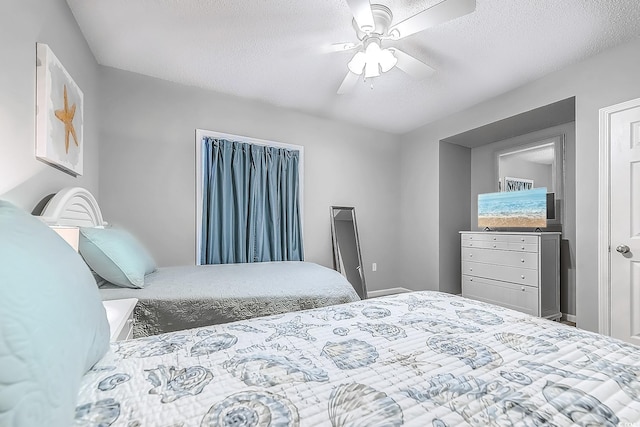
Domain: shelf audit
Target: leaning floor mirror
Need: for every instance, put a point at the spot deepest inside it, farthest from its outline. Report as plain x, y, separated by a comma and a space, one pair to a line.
347, 258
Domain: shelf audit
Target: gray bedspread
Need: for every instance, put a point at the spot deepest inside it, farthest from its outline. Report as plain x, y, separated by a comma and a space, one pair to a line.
178, 298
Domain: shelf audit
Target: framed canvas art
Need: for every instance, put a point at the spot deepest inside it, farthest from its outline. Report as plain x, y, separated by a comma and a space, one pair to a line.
59, 114
517, 184
513, 209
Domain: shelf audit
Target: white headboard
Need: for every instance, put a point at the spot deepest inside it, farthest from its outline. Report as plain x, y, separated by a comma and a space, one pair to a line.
73, 206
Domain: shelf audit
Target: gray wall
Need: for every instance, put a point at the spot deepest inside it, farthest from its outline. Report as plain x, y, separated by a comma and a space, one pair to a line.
602, 80
483, 178
147, 163
23, 179
419, 205
455, 184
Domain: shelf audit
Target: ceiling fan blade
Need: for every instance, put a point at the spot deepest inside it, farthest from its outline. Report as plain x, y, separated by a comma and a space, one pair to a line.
441, 12
361, 10
412, 66
348, 83
340, 47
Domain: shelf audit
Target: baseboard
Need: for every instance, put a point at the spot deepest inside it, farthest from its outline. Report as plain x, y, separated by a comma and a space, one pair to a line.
569, 317
389, 291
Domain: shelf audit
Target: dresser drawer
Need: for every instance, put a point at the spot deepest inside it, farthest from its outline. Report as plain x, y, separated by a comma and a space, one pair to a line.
516, 297
518, 275
499, 237
508, 258
505, 246
484, 237
519, 238
486, 244
522, 247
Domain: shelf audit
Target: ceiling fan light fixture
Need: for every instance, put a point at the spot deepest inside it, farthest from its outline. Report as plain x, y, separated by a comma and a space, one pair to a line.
372, 48
374, 24
357, 63
372, 53
371, 69
387, 60
372, 61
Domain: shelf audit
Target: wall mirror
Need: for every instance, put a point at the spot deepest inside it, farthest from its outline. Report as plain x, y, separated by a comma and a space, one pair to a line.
347, 258
535, 165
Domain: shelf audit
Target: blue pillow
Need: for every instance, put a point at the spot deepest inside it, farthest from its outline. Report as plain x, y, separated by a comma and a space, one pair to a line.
53, 326
116, 256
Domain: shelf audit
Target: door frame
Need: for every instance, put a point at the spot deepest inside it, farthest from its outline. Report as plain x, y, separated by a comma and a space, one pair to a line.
604, 215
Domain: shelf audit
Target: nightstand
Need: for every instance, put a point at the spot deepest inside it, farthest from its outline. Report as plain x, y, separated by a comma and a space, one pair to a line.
120, 317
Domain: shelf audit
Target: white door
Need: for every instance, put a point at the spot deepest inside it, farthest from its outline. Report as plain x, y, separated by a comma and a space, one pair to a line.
624, 144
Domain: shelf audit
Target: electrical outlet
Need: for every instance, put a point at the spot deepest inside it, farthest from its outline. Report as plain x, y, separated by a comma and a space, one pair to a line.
374, 266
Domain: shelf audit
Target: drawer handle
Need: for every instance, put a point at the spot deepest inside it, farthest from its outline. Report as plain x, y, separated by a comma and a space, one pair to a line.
494, 246
523, 248
470, 269
470, 255
522, 289
471, 279
470, 244
522, 239
494, 238
521, 259
522, 276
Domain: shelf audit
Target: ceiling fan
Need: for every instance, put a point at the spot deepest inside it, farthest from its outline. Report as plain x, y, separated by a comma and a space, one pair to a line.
373, 25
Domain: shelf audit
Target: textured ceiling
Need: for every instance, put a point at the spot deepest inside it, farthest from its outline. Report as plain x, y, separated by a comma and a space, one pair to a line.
273, 50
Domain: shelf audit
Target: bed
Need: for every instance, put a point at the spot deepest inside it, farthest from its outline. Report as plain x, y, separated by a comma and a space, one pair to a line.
190, 296
181, 297
420, 359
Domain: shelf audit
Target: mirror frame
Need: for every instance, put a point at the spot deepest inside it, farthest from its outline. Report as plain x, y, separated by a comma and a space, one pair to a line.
334, 239
558, 174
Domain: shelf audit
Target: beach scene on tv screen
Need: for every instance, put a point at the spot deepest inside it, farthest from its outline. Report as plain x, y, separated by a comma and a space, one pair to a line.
521, 209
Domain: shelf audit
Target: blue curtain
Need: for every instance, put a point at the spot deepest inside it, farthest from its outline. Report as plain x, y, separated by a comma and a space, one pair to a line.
251, 205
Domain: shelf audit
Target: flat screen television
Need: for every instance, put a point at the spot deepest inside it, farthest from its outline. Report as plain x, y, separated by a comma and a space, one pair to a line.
513, 209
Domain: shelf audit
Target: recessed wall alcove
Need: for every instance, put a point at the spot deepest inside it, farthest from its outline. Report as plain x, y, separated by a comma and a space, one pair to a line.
468, 168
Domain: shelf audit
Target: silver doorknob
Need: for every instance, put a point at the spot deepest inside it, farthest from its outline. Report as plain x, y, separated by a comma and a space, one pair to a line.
623, 249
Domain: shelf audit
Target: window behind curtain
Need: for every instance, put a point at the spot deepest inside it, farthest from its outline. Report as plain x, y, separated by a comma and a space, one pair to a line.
249, 200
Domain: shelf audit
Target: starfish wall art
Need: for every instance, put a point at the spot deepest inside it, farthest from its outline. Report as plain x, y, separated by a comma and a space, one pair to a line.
59, 116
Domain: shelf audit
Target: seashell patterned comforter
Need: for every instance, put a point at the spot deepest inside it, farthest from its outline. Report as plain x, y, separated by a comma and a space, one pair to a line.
421, 359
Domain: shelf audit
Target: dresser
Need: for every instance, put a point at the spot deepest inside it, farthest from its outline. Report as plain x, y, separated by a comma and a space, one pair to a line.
520, 271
